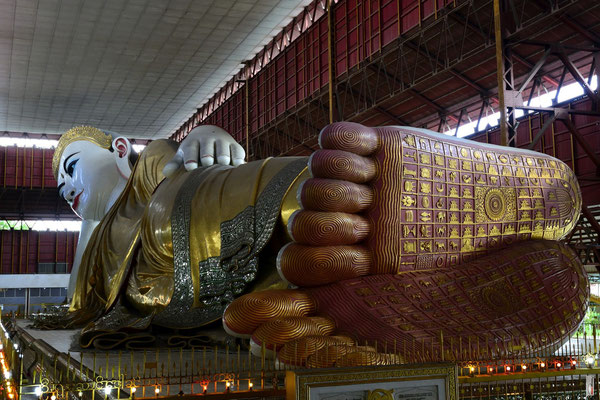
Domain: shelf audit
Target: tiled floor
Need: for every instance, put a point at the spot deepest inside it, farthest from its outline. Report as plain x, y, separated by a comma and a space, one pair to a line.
59, 339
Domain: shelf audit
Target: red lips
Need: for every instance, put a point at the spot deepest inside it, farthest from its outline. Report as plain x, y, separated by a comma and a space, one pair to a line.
76, 202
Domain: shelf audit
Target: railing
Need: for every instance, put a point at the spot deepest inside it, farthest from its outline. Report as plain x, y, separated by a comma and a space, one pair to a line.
560, 385
233, 371
11, 365
19, 312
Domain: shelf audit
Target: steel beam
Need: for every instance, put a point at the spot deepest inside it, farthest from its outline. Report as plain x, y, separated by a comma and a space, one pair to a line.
571, 111
536, 84
489, 38
576, 74
415, 92
565, 45
369, 100
460, 117
484, 103
330, 60
292, 138
583, 143
535, 69
500, 74
560, 84
480, 89
540, 133
592, 220
391, 116
583, 31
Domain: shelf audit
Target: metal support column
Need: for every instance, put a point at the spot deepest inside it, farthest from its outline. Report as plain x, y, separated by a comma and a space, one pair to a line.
330, 55
507, 96
247, 116
27, 310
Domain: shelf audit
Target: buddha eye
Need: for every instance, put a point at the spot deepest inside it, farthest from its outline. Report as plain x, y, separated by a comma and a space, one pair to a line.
71, 166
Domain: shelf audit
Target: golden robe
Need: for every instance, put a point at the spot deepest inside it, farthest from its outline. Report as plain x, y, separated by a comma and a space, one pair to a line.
175, 252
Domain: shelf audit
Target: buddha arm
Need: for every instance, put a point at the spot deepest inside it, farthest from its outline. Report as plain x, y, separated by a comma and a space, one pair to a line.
87, 227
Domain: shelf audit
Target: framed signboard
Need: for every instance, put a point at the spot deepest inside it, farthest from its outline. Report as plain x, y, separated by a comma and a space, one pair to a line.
409, 382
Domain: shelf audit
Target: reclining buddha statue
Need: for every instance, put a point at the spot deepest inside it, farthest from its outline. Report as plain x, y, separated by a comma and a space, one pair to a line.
394, 235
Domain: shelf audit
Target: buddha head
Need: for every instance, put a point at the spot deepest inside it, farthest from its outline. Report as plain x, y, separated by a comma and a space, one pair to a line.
91, 168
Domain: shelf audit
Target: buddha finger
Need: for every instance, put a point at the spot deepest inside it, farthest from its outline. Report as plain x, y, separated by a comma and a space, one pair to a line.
337, 164
349, 136
272, 335
190, 155
334, 195
327, 228
318, 265
248, 312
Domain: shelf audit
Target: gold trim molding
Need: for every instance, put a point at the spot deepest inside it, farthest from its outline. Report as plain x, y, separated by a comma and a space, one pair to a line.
299, 383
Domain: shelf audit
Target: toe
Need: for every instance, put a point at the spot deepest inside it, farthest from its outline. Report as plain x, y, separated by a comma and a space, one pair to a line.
276, 332
248, 312
318, 265
349, 136
328, 356
296, 352
337, 164
327, 228
362, 357
334, 195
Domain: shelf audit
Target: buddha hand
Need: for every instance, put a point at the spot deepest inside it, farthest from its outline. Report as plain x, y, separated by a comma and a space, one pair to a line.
206, 143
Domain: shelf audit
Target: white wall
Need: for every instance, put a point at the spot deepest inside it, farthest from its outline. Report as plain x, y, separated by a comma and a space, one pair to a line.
18, 281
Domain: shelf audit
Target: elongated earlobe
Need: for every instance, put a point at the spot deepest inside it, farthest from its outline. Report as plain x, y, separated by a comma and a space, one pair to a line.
122, 148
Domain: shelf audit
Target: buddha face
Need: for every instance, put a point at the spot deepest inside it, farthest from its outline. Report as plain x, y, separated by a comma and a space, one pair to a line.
87, 179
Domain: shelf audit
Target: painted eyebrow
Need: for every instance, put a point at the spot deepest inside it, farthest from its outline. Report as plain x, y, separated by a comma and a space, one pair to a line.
67, 159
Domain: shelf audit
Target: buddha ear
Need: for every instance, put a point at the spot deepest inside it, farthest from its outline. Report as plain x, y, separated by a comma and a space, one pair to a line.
122, 147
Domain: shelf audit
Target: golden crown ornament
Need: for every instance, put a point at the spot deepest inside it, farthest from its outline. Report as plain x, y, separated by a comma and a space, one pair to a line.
74, 134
